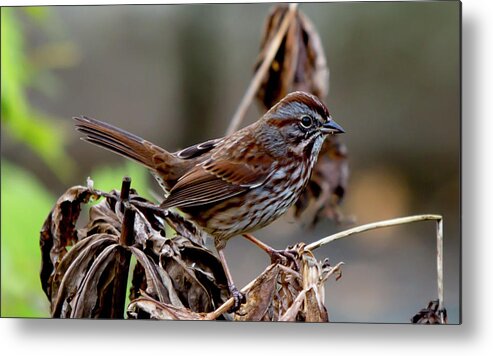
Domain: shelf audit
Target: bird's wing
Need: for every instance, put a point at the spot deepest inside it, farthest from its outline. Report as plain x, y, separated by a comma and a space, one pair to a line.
182, 162
198, 149
219, 178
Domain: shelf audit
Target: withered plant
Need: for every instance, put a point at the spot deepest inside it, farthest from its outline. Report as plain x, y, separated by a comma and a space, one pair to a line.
173, 275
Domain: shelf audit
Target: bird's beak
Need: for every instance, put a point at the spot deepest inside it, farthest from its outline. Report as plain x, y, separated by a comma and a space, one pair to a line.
331, 127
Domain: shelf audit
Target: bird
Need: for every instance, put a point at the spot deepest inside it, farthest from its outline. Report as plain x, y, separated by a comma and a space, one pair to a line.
238, 183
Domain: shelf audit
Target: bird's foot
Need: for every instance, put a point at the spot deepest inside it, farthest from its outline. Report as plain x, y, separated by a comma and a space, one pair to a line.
238, 297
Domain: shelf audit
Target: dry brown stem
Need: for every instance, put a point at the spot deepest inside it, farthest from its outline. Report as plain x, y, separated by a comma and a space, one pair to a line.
259, 75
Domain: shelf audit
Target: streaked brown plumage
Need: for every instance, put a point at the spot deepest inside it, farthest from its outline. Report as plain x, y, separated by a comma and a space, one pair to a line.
238, 183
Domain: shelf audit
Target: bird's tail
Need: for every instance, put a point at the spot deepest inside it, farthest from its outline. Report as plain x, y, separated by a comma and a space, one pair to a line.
127, 145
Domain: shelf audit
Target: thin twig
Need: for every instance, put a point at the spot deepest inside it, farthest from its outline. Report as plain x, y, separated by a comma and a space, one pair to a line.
125, 191
260, 74
370, 226
440, 268
122, 257
394, 222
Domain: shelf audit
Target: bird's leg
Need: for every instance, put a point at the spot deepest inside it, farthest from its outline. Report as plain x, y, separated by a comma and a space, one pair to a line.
276, 256
236, 294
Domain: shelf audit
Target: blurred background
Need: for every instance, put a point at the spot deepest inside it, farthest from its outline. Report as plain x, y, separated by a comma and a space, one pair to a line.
174, 74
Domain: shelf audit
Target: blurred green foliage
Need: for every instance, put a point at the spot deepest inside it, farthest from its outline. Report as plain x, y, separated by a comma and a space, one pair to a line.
20, 72
25, 206
107, 178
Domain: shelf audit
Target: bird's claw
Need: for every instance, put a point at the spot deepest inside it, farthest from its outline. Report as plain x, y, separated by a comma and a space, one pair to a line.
239, 298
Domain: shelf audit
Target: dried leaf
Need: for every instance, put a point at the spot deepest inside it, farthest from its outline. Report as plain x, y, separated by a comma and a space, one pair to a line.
139, 282
198, 276
190, 290
259, 296
87, 296
84, 281
168, 283
282, 294
299, 63
430, 315
207, 268
107, 217
308, 303
315, 311
161, 311
293, 311
58, 231
155, 285
72, 270
145, 233
185, 228
103, 219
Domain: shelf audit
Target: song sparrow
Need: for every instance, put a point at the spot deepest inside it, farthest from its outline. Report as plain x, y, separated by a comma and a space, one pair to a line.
235, 184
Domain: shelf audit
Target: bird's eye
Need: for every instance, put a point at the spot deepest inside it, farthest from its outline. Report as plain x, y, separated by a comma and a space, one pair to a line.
306, 121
